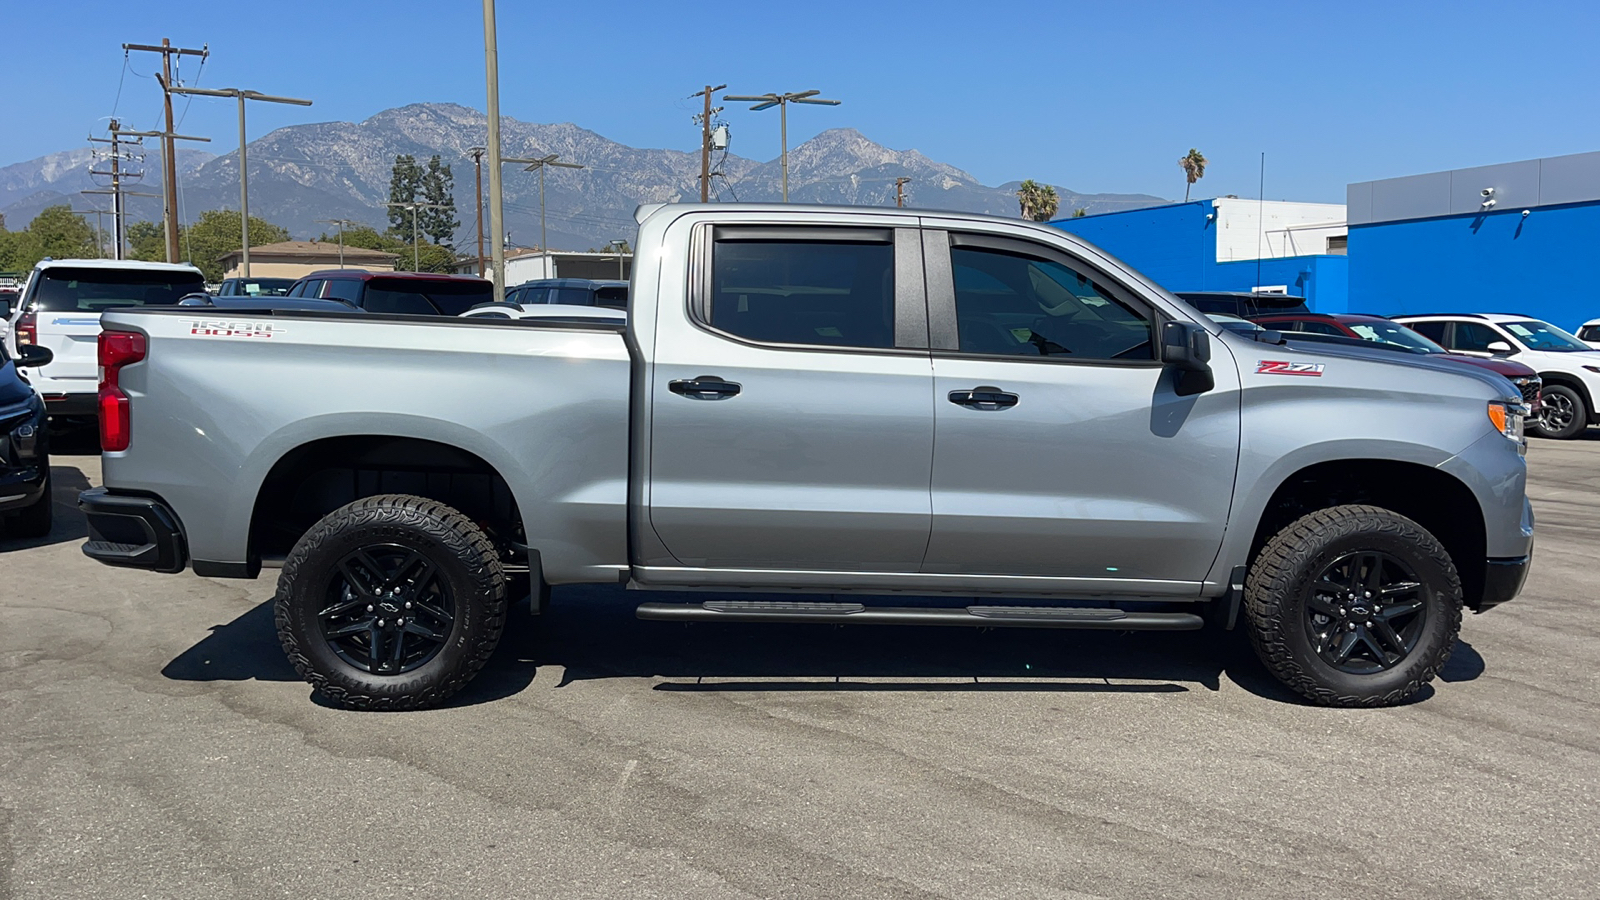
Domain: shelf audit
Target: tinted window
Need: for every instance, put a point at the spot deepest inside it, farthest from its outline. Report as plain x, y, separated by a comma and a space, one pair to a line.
1433, 331
572, 296
535, 295
449, 298
344, 289
614, 297
1475, 336
310, 288
95, 290
1014, 305
1227, 305
1588, 332
805, 292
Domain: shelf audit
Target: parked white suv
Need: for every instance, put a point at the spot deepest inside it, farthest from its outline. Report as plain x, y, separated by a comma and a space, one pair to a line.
1589, 333
60, 309
1569, 367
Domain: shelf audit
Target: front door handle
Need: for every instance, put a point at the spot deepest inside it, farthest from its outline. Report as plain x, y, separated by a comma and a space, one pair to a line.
703, 387
984, 397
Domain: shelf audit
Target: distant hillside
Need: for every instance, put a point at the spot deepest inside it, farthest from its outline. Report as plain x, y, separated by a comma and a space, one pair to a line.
340, 170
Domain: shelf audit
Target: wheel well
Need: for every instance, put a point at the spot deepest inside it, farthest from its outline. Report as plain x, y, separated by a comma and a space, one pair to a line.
1438, 502
1570, 381
317, 478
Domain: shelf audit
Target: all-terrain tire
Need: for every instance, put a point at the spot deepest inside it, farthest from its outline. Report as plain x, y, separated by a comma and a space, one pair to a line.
1279, 588
34, 521
1566, 399
466, 564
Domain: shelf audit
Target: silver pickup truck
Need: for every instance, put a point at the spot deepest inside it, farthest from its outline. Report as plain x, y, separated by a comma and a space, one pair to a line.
986, 415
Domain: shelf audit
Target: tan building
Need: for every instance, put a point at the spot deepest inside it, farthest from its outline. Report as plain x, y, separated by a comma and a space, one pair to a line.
292, 259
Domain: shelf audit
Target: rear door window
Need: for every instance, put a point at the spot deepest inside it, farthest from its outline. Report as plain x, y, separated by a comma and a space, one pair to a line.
572, 296
1475, 337
798, 291
347, 289
93, 290
613, 297
1432, 330
447, 298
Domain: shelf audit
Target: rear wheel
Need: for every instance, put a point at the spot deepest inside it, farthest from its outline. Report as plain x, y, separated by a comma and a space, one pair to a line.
1354, 606
1562, 413
391, 602
35, 520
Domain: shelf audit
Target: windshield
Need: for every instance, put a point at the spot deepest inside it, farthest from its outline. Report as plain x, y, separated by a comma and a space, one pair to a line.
1539, 335
1395, 335
63, 289
261, 287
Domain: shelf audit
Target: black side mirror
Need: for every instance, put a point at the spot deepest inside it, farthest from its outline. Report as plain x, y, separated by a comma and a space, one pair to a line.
1186, 347
196, 299
32, 356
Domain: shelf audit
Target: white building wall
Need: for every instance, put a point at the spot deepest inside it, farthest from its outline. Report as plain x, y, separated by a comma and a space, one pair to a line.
1277, 227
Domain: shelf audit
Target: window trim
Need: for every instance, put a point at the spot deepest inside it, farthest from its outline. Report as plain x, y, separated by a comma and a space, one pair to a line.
944, 336
910, 295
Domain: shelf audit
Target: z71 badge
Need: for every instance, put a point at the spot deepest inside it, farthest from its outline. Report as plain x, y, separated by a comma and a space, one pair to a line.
1284, 367
233, 329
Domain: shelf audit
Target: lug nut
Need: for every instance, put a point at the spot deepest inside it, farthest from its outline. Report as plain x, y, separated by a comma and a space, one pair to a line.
408, 604
380, 624
1350, 627
369, 607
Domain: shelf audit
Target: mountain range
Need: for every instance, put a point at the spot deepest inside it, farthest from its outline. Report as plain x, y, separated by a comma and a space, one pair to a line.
340, 170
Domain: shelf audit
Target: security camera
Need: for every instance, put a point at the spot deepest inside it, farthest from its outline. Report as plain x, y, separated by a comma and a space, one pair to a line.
1487, 192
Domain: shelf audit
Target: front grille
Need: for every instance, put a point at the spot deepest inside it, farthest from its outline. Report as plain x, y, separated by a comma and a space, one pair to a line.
1530, 390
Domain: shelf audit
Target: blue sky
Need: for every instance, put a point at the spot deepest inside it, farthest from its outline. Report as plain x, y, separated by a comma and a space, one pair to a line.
1090, 96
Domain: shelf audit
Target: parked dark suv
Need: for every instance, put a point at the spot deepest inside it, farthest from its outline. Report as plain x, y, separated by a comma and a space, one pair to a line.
25, 506
571, 292
397, 293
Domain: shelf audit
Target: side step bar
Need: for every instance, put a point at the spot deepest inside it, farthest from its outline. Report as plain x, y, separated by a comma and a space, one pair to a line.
977, 616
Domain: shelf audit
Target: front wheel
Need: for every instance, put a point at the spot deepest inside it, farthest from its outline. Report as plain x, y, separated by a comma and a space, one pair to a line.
391, 602
1562, 413
1354, 606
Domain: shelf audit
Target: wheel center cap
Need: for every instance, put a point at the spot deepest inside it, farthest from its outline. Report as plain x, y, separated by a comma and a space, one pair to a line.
1359, 611
388, 607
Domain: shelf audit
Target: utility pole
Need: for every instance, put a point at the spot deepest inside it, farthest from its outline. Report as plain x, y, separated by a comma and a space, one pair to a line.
900, 191
416, 242
118, 222
541, 164
341, 223
782, 101
477, 163
244, 179
705, 139
497, 217
169, 177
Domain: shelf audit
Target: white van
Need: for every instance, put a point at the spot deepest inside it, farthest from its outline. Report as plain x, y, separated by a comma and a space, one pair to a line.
60, 309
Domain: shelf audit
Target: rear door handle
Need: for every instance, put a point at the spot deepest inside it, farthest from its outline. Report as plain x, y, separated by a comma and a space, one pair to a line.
984, 397
703, 387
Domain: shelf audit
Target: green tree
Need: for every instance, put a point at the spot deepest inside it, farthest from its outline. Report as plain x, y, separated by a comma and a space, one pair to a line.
147, 240
1080, 212
1194, 165
368, 238
405, 186
1039, 202
439, 222
56, 232
216, 232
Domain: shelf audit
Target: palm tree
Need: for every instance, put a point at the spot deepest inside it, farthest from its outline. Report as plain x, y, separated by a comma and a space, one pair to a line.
1039, 202
1194, 167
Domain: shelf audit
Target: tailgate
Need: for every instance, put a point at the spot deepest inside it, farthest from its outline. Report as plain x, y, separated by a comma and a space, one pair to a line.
73, 337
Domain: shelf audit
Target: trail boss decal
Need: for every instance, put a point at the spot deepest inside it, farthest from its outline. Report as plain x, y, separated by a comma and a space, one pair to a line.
208, 328
1284, 367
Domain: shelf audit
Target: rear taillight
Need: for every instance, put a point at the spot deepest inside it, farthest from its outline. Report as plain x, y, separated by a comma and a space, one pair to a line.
28, 329
117, 349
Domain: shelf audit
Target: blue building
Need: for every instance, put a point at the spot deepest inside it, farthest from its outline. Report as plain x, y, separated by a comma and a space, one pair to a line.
1231, 244
1516, 237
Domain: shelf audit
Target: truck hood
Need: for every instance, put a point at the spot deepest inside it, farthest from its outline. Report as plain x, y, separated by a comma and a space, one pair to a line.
1310, 351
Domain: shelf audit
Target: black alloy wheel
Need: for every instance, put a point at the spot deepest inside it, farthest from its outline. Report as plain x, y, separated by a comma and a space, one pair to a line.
388, 610
1366, 612
1561, 413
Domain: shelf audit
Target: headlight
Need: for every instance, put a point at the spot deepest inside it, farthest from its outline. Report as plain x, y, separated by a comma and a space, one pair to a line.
1507, 417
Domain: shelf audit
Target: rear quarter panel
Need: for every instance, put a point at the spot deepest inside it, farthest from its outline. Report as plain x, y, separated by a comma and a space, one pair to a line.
546, 407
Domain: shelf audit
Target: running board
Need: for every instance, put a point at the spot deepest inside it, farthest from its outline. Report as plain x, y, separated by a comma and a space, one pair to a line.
978, 616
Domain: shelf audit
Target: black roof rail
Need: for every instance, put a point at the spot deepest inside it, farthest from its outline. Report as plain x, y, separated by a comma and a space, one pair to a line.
1449, 315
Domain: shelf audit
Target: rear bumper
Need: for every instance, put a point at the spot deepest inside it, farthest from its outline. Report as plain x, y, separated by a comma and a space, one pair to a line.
78, 404
1503, 580
132, 531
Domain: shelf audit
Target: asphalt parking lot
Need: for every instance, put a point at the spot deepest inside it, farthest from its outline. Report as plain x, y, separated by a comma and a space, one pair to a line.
154, 743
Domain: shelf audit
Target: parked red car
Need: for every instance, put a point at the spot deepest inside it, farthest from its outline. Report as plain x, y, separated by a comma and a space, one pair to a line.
1394, 336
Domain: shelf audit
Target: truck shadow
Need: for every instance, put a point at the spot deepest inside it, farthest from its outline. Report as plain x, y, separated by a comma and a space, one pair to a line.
590, 633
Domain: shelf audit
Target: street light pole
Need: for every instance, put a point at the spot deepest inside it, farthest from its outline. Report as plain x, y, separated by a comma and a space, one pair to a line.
244, 175
416, 241
477, 162
541, 163
781, 101
341, 223
621, 272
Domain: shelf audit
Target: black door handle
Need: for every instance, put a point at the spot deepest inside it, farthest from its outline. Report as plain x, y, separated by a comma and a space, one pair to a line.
703, 387
984, 397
